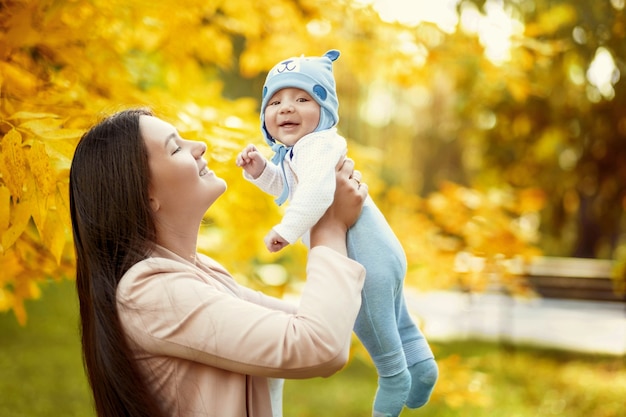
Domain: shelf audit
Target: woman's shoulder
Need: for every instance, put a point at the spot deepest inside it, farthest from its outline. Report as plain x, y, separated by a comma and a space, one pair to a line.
146, 272
164, 269
159, 261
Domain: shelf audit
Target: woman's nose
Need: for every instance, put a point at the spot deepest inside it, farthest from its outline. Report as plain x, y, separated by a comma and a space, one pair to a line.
199, 148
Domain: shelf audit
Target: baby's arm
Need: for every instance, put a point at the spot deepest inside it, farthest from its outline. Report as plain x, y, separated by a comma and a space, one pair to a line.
256, 169
251, 160
274, 242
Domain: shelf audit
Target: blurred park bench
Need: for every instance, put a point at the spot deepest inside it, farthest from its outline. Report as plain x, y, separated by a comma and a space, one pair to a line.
577, 306
574, 279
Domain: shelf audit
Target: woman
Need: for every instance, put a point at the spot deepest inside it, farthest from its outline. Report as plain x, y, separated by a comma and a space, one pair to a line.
167, 331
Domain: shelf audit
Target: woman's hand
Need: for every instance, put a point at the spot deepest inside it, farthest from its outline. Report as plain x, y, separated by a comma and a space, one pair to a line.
350, 194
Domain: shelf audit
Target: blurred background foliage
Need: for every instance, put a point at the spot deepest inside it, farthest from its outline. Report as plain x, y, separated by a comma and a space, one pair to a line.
489, 130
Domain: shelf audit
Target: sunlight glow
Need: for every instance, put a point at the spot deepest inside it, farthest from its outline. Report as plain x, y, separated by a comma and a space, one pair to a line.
413, 12
318, 27
603, 73
379, 106
496, 29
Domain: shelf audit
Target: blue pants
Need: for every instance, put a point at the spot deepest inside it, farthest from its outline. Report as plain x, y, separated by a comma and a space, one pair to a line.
383, 324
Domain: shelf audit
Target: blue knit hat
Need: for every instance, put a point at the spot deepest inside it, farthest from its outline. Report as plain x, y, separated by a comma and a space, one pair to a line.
311, 74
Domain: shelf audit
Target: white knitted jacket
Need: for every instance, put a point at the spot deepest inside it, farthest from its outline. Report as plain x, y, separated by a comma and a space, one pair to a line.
310, 171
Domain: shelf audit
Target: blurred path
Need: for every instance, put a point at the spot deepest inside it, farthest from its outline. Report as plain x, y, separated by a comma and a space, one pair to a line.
583, 326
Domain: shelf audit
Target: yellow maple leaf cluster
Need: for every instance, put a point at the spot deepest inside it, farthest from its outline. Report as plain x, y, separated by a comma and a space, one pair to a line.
64, 64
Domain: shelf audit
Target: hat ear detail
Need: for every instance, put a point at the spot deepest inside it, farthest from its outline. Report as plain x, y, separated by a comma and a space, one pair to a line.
333, 54
320, 92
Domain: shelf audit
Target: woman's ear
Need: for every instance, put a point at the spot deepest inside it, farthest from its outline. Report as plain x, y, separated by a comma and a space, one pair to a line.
154, 204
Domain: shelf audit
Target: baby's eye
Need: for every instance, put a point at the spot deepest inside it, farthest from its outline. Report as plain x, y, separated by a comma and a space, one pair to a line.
302, 100
178, 149
274, 103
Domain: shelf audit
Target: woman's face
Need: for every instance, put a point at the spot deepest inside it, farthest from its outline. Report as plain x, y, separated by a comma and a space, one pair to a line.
181, 185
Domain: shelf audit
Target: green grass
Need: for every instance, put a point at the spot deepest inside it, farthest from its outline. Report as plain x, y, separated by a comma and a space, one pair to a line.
41, 375
41, 371
512, 382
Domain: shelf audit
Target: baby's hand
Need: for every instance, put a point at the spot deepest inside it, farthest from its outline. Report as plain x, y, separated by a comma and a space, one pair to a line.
274, 242
251, 160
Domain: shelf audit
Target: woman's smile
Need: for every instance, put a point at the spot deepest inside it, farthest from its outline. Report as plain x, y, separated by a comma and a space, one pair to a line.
181, 181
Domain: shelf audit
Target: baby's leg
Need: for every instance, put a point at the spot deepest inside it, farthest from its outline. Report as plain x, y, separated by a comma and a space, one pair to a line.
372, 243
377, 329
419, 357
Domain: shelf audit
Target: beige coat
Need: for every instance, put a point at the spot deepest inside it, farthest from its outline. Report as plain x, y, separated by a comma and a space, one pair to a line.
207, 345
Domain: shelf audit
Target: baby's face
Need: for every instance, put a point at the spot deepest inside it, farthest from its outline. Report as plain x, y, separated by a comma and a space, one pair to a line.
290, 114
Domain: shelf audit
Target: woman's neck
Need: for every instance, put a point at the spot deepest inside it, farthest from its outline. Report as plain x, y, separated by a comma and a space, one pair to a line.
182, 242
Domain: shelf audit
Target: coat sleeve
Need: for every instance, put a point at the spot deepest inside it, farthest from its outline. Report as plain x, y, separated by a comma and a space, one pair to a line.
169, 311
257, 297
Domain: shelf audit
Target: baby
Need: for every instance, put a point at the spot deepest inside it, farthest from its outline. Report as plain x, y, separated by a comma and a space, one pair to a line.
298, 120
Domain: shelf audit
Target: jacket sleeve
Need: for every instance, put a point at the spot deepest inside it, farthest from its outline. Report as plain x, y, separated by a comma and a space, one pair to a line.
167, 311
270, 181
257, 297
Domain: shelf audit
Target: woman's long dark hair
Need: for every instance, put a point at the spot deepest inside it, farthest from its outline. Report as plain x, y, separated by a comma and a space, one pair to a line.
113, 229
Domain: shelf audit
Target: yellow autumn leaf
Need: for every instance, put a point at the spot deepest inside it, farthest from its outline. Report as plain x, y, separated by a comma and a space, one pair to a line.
6, 300
41, 125
62, 133
10, 266
20, 216
14, 162
60, 152
40, 167
17, 81
27, 289
37, 202
19, 311
5, 208
62, 200
54, 236
27, 115
20, 29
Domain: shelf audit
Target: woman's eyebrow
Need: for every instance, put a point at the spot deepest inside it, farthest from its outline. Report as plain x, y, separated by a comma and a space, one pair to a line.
171, 136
